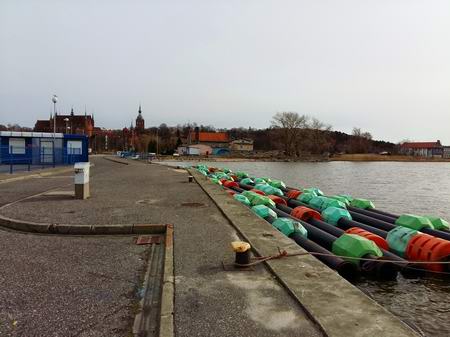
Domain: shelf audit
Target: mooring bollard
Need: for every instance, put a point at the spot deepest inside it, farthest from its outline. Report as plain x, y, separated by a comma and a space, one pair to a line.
242, 250
190, 179
82, 180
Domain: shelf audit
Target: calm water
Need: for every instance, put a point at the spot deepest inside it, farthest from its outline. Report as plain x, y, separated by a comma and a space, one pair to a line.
420, 188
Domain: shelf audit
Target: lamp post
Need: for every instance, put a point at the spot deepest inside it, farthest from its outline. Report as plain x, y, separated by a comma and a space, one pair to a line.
54, 100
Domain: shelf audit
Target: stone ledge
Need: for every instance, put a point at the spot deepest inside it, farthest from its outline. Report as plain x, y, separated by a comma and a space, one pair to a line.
337, 307
117, 160
69, 229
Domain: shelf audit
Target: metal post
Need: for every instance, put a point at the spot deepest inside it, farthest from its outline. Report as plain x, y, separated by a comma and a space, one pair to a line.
54, 100
157, 141
30, 160
54, 117
54, 128
10, 160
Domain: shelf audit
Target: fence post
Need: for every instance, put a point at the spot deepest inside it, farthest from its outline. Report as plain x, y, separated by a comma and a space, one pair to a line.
54, 151
10, 160
30, 155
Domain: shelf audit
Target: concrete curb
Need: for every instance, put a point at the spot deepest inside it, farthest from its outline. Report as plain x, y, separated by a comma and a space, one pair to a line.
166, 324
335, 305
116, 160
68, 229
37, 175
166, 321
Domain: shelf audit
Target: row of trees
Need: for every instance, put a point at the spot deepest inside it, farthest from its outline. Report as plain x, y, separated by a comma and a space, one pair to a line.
290, 134
295, 135
301, 133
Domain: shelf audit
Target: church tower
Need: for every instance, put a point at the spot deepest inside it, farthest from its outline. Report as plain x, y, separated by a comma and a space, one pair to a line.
140, 124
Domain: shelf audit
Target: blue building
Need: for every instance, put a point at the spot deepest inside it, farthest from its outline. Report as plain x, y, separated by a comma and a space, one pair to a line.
42, 148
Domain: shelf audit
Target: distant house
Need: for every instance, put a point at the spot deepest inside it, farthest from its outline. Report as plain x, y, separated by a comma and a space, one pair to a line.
422, 149
217, 141
220, 139
195, 150
446, 151
241, 145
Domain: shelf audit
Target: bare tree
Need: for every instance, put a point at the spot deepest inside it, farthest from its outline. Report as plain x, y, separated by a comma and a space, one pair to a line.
361, 141
319, 140
291, 125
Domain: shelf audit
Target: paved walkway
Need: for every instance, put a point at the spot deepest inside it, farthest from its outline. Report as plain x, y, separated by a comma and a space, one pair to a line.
24, 173
67, 286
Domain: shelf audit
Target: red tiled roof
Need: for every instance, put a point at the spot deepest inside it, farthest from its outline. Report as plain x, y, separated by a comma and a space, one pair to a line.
215, 137
422, 145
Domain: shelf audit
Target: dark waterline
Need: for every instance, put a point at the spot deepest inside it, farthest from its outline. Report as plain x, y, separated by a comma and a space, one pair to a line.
419, 188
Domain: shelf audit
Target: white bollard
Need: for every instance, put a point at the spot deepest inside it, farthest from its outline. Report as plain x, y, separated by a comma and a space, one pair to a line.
82, 180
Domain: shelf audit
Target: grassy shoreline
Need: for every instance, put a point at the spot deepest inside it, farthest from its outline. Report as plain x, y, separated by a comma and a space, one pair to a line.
396, 158
344, 157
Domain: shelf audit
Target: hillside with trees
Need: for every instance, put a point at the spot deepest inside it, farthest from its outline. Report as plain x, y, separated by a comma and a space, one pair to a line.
294, 135
290, 135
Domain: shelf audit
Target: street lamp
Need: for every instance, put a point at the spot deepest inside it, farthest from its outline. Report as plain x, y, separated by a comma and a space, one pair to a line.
54, 100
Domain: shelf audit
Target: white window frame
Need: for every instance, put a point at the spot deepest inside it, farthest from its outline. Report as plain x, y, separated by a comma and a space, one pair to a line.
17, 146
78, 145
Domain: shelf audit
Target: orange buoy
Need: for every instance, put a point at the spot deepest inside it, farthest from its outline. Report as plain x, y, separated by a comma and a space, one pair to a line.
278, 200
293, 194
379, 241
424, 247
229, 183
258, 191
235, 178
305, 213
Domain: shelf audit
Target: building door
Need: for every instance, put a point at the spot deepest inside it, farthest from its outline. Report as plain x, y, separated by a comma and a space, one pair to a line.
47, 151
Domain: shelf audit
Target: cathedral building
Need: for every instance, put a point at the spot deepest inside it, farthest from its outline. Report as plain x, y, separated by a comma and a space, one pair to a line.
131, 135
140, 123
71, 124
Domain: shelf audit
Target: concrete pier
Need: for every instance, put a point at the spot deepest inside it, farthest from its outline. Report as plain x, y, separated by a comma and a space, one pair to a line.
63, 285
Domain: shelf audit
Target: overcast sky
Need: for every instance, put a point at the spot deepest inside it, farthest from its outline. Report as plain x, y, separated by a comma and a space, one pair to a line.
382, 65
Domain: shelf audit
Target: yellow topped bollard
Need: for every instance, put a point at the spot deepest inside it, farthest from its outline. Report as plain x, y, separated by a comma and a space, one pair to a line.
242, 250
